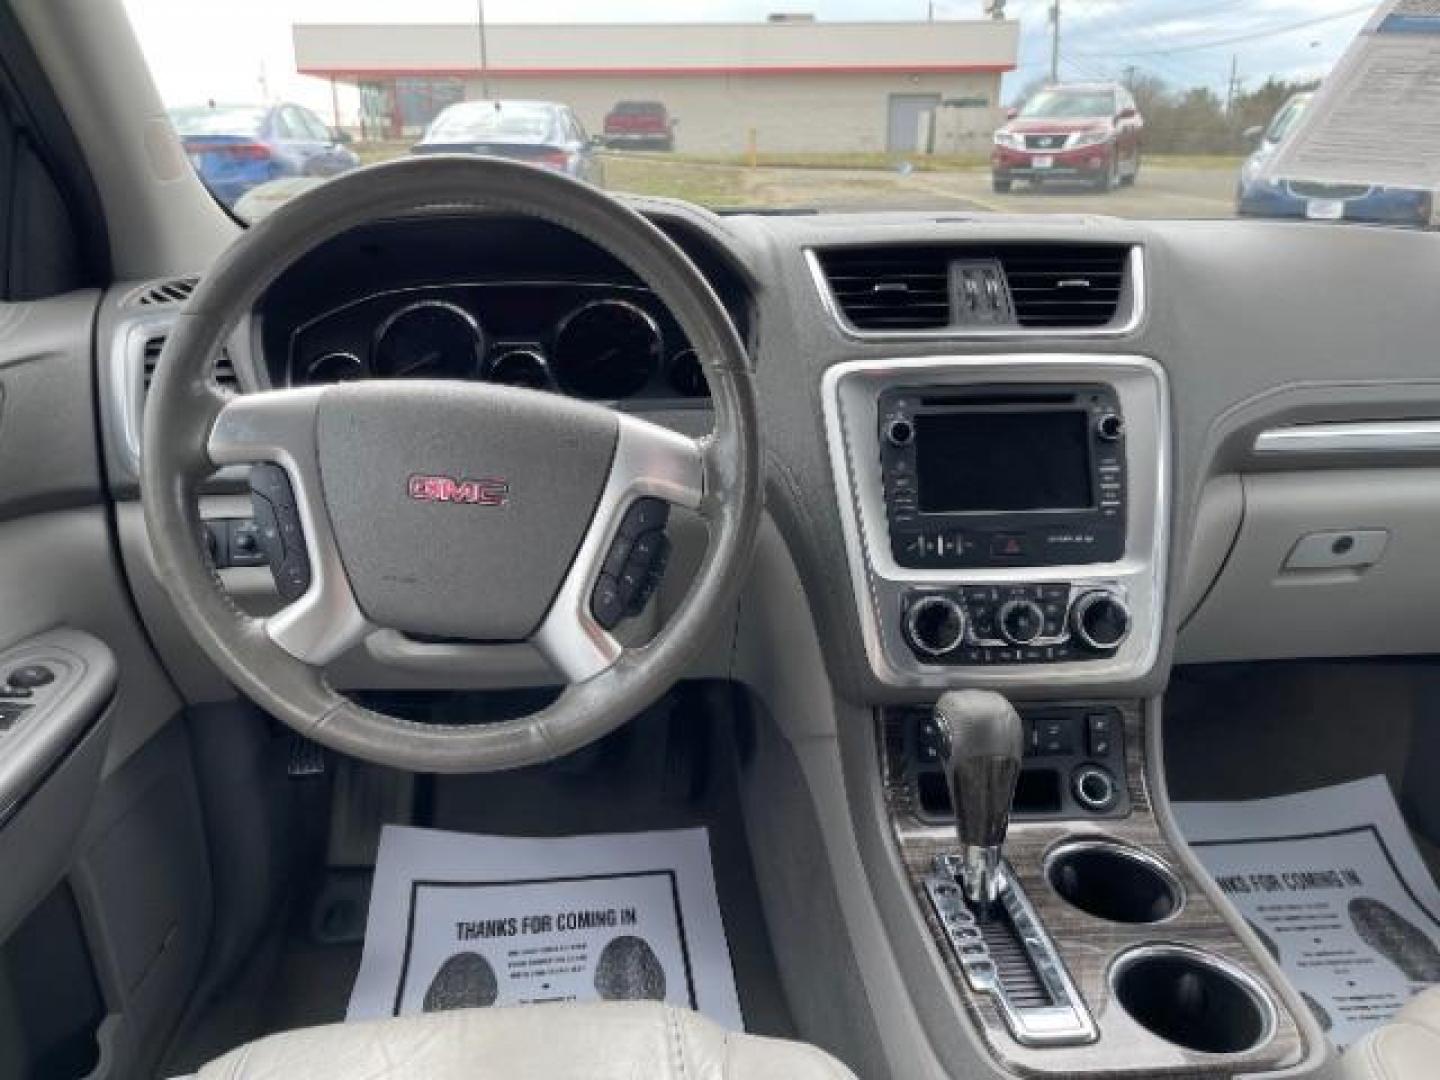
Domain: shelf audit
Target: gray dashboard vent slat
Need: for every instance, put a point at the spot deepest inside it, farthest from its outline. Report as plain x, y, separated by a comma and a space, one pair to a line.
1053, 286
224, 373
891, 288
170, 291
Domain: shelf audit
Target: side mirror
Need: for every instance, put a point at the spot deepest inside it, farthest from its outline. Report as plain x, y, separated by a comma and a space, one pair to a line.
1126, 114
1252, 134
1011, 113
341, 136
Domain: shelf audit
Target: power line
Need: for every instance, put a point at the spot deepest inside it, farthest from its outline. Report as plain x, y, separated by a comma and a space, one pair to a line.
1240, 38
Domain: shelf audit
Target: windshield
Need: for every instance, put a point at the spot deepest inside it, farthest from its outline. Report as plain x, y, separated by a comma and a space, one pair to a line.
210, 120
495, 121
1128, 108
1069, 103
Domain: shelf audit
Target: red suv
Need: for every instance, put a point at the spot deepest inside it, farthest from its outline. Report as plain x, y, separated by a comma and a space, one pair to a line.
1088, 132
639, 123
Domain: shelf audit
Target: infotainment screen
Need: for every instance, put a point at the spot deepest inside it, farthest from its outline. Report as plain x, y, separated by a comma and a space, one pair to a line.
969, 462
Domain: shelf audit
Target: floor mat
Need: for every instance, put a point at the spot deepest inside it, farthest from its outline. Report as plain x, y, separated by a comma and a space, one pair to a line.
1335, 888
458, 920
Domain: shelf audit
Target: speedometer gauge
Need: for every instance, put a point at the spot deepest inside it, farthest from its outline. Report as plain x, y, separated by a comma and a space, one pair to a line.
605, 349
432, 339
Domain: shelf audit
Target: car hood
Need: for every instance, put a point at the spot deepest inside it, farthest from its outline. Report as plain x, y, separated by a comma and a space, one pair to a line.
1040, 125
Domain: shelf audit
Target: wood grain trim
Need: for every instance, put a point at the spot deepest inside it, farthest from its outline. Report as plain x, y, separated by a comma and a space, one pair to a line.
1088, 945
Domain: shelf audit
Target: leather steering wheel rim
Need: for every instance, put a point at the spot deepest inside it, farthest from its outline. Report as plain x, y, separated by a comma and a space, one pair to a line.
184, 406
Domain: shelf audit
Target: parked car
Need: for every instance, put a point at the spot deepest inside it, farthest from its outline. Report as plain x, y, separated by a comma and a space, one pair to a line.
543, 133
1259, 195
1086, 132
640, 124
238, 147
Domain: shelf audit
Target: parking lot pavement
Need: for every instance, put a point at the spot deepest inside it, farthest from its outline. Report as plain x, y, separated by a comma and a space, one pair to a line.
1162, 190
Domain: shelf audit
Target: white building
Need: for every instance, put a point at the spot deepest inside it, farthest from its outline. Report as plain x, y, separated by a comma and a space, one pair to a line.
794, 85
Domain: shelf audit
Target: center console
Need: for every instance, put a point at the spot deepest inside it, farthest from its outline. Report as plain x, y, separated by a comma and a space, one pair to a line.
1003, 512
1005, 522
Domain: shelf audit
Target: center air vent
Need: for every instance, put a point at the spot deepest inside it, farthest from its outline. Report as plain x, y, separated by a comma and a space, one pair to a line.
224, 369
891, 288
986, 288
1069, 285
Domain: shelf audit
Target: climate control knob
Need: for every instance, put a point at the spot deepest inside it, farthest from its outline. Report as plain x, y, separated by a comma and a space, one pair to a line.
935, 625
1100, 619
1021, 622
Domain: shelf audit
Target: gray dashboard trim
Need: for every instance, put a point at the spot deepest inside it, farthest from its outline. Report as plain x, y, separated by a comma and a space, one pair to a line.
1135, 280
1368, 437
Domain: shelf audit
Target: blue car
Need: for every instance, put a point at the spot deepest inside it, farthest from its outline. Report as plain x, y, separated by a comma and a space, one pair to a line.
1257, 196
235, 148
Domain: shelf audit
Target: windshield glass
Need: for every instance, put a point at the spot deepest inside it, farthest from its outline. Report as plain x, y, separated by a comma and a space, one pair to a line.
217, 121
1129, 108
1069, 103
497, 121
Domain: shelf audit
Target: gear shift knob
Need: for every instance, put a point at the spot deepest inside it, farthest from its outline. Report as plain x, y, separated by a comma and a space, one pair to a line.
981, 744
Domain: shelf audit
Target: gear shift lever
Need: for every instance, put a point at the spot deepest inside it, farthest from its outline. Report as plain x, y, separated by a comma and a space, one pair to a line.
981, 743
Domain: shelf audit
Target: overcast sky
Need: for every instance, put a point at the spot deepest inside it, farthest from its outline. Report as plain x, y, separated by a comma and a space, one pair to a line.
216, 49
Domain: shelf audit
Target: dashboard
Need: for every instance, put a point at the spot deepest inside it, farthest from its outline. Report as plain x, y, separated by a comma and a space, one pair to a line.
496, 299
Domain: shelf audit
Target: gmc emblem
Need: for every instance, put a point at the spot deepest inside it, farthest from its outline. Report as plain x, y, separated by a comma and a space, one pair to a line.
489, 491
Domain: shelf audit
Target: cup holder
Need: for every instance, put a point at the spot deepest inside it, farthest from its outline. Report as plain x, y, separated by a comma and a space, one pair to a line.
1192, 999
1114, 882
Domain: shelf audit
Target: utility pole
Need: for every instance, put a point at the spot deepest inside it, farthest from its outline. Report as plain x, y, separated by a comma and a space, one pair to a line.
484, 62
1230, 86
1054, 41
1129, 79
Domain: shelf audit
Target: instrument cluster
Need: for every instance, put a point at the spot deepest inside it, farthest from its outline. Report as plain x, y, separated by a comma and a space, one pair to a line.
600, 341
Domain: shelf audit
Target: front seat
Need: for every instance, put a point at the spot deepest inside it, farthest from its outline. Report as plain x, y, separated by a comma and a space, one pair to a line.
1407, 1048
610, 1041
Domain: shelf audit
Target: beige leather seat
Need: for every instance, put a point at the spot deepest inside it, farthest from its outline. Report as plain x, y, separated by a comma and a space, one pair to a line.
610, 1041
1407, 1048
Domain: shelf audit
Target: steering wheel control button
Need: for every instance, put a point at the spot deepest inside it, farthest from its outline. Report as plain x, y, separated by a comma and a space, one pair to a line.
277, 530
644, 516
606, 604
1094, 788
30, 677
244, 544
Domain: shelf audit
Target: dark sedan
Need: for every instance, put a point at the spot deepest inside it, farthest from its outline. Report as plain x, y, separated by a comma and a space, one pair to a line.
542, 133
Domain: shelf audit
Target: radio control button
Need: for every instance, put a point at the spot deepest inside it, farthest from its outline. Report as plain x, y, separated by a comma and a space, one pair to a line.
1100, 619
1021, 621
935, 624
1110, 427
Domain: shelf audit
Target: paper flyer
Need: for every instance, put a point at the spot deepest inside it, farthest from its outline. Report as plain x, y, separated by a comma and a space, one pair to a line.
1334, 887
465, 921
1376, 118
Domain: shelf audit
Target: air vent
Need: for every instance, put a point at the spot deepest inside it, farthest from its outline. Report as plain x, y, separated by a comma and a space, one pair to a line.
978, 288
1065, 286
224, 369
891, 288
173, 291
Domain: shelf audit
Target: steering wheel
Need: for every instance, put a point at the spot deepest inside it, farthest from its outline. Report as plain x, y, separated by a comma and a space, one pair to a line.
442, 509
